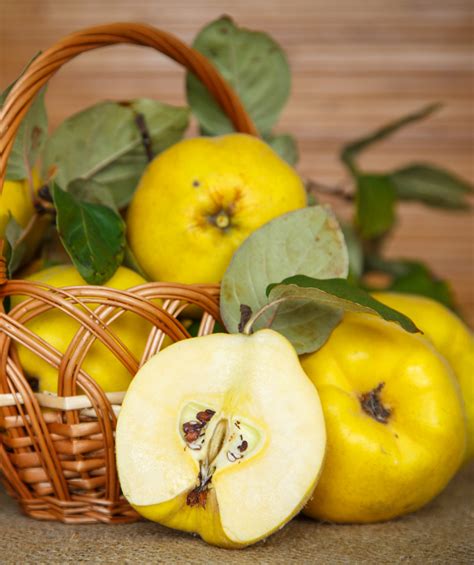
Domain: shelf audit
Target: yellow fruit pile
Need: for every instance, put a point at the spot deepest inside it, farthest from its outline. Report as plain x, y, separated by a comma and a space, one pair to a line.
58, 329
15, 199
225, 435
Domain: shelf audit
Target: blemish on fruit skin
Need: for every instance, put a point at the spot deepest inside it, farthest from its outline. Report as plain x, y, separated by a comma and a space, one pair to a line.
196, 183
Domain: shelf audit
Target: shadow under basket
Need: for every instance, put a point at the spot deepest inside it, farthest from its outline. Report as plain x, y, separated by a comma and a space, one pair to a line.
57, 452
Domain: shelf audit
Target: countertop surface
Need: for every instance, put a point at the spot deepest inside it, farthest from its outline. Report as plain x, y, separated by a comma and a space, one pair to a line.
442, 532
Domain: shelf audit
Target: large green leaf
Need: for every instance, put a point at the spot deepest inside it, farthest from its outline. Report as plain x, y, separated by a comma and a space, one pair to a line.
29, 140
355, 251
89, 190
15, 247
106, 144
375, 205
130, 261
22, 243
285, 145
6, 92
413, 277
299, 295
253, 63
307, 241
31, 134
352, 150
431, 185
92, 234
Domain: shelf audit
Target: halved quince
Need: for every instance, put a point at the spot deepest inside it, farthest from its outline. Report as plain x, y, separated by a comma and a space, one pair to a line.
221, 435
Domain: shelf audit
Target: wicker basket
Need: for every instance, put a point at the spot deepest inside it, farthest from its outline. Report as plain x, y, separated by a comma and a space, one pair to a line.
57, 452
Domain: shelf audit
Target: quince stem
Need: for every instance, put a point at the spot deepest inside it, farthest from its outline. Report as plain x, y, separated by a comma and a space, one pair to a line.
249, 325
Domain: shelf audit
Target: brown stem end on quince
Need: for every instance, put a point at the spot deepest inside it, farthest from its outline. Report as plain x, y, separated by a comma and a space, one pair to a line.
372, 405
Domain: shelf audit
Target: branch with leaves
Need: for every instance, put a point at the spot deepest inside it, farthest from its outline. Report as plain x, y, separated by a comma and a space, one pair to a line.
93, 161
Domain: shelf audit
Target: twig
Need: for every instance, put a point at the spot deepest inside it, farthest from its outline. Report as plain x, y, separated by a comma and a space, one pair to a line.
338, 190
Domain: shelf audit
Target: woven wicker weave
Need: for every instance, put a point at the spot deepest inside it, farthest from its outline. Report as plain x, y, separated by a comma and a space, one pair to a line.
57, 452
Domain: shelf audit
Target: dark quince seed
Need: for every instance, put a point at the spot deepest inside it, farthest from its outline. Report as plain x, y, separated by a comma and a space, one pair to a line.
205, 415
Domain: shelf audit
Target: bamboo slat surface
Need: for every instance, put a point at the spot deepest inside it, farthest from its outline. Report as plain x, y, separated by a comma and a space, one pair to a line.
356, 64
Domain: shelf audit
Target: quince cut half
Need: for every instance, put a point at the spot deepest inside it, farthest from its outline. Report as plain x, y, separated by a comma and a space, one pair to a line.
223, 436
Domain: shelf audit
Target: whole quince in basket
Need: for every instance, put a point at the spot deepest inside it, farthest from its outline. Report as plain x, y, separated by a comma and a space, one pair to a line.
15, 199
58, 329
198, 200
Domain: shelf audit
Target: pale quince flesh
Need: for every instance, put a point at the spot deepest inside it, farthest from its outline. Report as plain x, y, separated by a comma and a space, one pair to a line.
221, 435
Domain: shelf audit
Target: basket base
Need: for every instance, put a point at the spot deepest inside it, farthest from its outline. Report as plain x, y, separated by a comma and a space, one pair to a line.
77, 511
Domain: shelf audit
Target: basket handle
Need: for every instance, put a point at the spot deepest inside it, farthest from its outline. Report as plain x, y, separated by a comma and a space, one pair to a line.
50, 61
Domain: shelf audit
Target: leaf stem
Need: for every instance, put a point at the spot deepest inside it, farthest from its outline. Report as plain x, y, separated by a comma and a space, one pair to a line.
248, 326
338, 190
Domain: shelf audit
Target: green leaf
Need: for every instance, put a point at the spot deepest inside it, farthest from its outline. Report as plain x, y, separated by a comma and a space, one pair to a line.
193, 329
431, 185
22, 243
29, 140
285, 145
105, 144
307, 240
305, 292
89, 190
413, 277
6, 92
356, 253
253, 63
352, 150
130, 261
418, 279
30, 136
16, 250
92, 234
375, 205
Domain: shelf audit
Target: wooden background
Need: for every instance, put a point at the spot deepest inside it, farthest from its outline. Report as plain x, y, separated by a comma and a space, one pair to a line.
356, 64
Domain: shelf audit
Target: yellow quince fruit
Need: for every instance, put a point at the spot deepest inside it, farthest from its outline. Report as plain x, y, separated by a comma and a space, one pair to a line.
16, 200
199, 199
450, 336
58, 329
221, 435
394, 418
